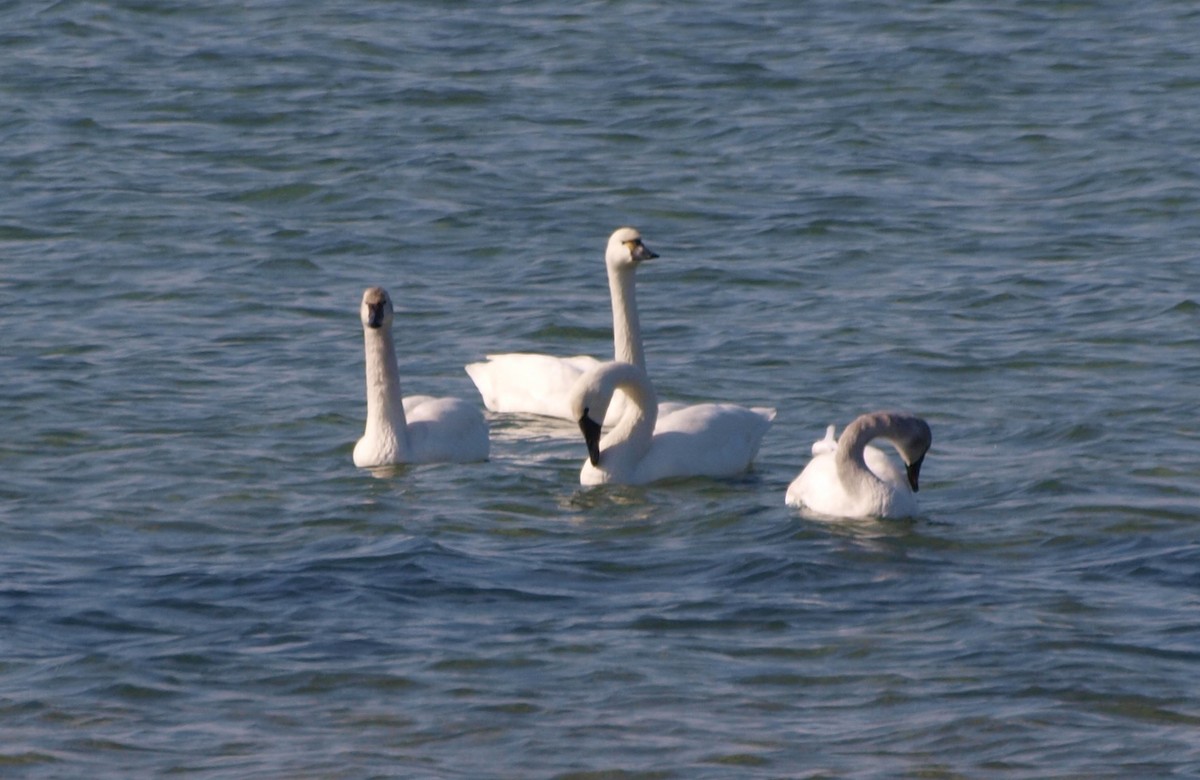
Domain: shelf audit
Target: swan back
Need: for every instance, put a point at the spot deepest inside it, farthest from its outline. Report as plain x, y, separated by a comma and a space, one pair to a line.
528, 383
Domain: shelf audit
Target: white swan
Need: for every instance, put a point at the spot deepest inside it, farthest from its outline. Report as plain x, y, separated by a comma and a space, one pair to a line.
846, 478
538, 384
702, 440
417, 429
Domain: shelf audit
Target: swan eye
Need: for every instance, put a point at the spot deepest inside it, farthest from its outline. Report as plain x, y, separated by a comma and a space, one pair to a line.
638, 250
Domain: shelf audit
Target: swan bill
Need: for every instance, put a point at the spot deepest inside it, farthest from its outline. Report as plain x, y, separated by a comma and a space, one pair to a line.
913, 471
591, 435
639, 251
375, 315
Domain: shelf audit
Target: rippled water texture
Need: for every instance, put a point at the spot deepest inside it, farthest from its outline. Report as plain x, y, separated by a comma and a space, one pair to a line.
986, 216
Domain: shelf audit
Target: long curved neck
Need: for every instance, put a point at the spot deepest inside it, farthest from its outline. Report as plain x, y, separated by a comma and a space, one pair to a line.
852, 468
630, 438
385, 405
627, 332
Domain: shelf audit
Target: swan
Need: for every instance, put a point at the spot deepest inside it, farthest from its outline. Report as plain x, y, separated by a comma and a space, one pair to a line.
417, 429
648, 443
846, 478
530, 383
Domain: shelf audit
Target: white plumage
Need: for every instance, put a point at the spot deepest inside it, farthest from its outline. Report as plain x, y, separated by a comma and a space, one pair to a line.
647, 444
531, 383
417, 429
847, 478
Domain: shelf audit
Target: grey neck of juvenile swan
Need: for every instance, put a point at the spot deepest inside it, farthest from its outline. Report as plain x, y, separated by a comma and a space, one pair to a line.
385, 405
852, 468
627, 339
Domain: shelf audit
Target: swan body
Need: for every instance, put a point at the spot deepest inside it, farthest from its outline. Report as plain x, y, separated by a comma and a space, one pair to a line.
417, 429
529, 383
648, 443
847, 478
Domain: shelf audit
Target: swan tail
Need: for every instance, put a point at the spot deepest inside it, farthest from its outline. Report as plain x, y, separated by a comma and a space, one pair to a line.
766, 412
482, 378
828, 444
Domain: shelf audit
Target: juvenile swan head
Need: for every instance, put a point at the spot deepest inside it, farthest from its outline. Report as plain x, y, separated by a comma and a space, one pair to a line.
376, 308
848, 478
625, 249
910, 435
912, 438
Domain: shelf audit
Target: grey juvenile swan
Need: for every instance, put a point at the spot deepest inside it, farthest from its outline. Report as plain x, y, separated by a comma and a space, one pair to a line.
846, 478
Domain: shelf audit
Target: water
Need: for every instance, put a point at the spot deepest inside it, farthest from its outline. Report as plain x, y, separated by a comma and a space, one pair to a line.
985, 215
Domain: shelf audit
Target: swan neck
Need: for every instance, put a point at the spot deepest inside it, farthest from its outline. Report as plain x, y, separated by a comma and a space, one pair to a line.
851, 461
627, 332
633, 433
385, 405
643, 400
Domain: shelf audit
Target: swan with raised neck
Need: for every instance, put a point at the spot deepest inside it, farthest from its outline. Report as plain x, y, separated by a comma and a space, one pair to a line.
417, 429
643, 446
532, 383
847, 478
625, 252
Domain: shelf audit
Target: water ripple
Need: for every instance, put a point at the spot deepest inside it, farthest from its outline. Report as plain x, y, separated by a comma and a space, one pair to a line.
984, 215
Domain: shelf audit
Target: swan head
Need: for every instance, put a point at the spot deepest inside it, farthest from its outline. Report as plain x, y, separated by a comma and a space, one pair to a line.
589, 405
626, 250
592, 394
376, 309
912, 438
591, 436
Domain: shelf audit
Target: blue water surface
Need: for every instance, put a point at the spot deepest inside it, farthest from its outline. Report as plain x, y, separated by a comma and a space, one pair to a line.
988, 215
